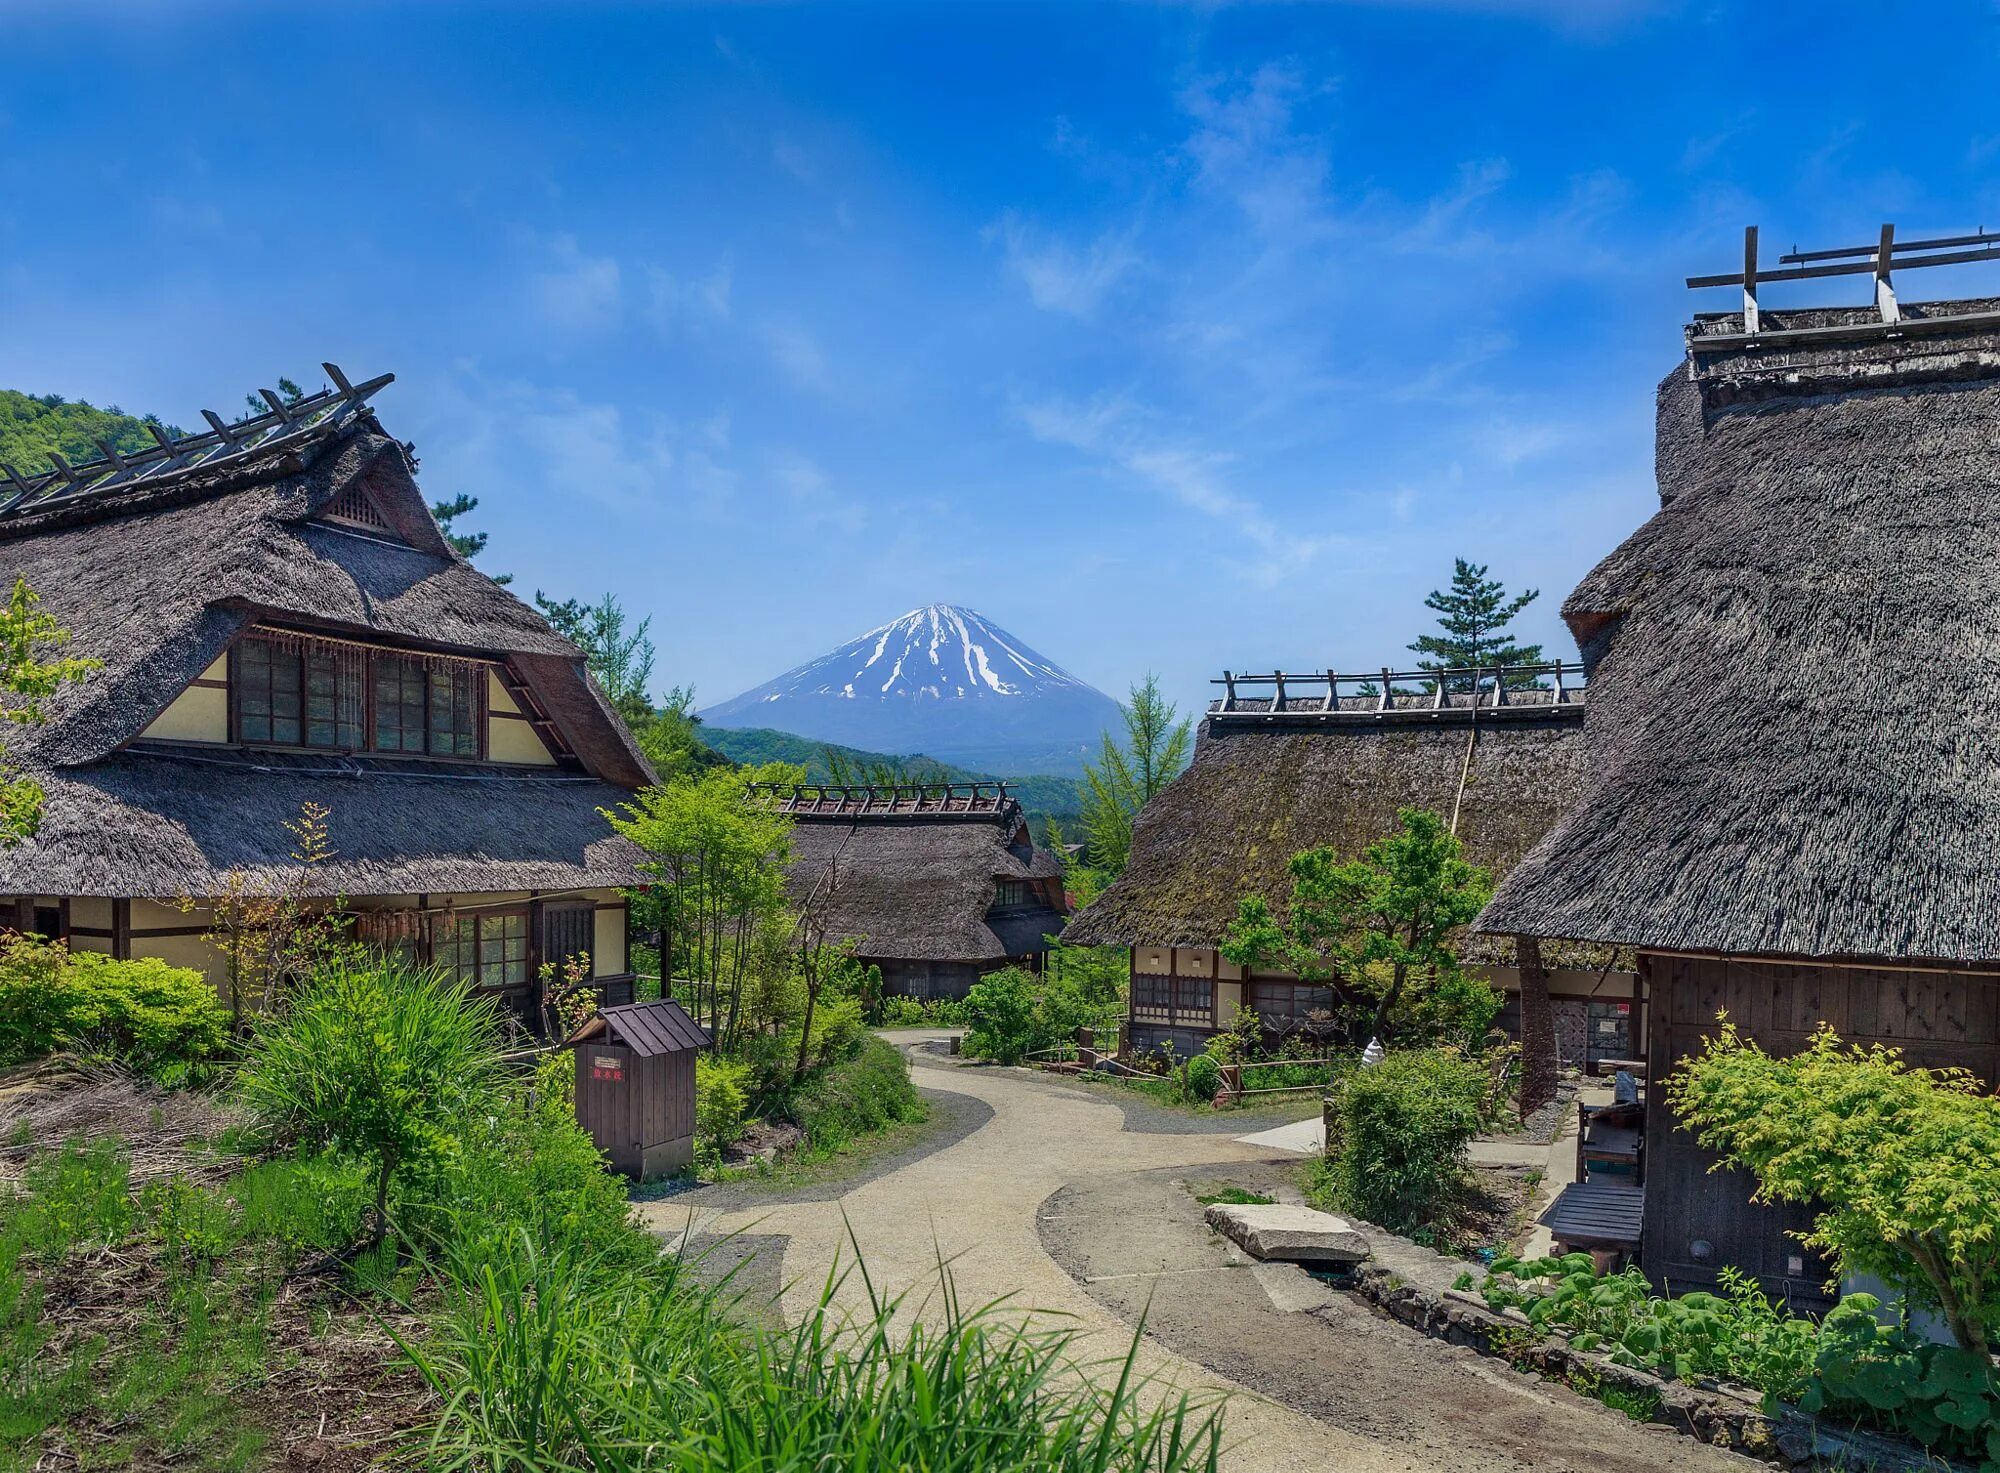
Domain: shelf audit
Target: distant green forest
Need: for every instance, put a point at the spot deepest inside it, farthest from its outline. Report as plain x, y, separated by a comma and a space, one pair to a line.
1060, 798
31, 425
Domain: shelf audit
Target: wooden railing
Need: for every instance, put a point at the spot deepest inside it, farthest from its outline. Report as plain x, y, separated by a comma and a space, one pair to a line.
1329, 694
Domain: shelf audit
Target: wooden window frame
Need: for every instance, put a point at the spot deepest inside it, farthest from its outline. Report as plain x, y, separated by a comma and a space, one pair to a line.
476, 976
368, 659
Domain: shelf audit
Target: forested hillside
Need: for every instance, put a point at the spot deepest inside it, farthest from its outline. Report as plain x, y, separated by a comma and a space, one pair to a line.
31, 425
1060, 798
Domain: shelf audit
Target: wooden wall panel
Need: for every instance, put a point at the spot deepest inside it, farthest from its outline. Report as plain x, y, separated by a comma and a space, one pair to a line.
1939, 1019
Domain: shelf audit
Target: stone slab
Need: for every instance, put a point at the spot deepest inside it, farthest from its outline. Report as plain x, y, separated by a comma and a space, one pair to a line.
1288, 1234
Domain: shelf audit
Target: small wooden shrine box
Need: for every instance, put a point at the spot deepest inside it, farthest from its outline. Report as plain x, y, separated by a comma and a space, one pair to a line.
635, 1085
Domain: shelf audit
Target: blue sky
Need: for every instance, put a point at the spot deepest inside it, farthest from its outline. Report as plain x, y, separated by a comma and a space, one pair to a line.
1170, 337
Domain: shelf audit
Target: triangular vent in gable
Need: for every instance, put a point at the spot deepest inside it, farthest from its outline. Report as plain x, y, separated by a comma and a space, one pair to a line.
354, 507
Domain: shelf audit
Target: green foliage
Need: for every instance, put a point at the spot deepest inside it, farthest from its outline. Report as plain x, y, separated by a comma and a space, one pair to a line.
865, 1091
1000, 1016
32, 669
1201, 1077
721, 1104
1739, 1335
548, 1359
921, 1012
1457, 1010
377, 1060
1011, 1013
73, 1200
1406, 1125
467, 544
31, 425
620, 657
718, 858
155, 1017
1379, 927
1125, 778
1941, 1396
1902, 1165
1473, 615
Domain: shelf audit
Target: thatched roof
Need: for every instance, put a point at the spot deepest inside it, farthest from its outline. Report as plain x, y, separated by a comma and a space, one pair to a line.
920, 889
1256, 794
1792, 728
155, 579
160, 825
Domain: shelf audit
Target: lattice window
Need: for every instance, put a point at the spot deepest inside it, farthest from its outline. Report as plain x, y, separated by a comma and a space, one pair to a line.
454, 723
399, 704
489, 951
355, 507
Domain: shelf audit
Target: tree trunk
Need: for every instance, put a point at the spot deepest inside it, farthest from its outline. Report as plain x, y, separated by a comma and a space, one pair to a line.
1538, 1028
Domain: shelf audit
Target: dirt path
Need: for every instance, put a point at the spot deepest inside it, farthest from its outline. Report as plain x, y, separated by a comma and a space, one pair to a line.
978, 1201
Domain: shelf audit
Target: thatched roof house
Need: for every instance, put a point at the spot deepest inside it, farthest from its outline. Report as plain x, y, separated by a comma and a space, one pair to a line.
1327, 770
280, 621
936, 884
1790, 806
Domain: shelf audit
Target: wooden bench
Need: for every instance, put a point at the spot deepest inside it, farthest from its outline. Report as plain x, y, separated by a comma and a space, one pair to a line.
1597, 1217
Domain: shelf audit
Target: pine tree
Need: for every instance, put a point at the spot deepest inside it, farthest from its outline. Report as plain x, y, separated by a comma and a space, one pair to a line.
468, 544
1124, 779
1474, 614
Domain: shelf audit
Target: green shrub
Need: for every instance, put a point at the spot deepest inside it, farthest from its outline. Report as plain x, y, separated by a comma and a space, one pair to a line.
720, 1102
1405, 1127
378, 1060
856, 1096
925, 1012
306, 1204
1943, 1397
1000, 1016
155, 1017
1010, 1013
1738, 1335
1202, 1077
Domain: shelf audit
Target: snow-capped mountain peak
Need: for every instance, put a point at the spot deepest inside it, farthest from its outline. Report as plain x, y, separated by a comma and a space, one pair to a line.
942, 679
941, 651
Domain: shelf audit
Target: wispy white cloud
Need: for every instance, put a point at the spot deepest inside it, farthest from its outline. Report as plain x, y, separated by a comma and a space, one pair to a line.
797, 353
1060, 277
673, 303
576, 292
1113, 430
1248, 147
810, 495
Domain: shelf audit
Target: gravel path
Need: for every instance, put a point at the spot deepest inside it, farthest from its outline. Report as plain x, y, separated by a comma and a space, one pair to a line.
976, 1199
1329, 1354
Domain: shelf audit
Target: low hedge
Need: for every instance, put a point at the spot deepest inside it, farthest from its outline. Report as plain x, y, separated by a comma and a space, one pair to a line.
156, 1017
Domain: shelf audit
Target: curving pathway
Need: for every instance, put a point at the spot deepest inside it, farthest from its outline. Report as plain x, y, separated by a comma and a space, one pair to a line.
1017, 1140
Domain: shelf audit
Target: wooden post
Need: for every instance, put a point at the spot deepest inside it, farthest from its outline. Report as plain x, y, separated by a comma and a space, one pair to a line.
1885, 291
121, 930
1750, 279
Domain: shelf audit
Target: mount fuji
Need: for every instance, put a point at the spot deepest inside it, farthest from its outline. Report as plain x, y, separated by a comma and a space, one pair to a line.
944, 681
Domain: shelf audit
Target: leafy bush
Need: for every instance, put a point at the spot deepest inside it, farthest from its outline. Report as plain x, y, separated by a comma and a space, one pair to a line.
1941, 1396
378, 1060
720, 1101
925, 1012
1202, 1077
1405, 1127
1010, 1014
856, 1096
1738, 1335
1901, 1166
1000, 1016
153, 1016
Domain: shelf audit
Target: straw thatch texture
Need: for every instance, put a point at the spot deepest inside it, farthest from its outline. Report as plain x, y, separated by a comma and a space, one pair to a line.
1792, 725
920, 891
155, 587
1255, 796
152, 825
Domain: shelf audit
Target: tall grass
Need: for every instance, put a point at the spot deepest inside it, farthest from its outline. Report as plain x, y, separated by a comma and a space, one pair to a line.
553, 1362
